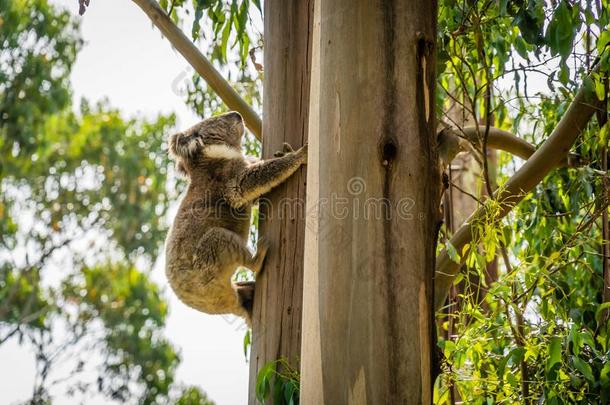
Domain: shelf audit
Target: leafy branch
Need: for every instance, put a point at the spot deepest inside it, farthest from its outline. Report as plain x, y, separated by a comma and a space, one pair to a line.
545, 159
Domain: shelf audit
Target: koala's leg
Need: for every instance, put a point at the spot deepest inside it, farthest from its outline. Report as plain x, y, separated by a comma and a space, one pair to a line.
244, 290
260, 178
216, 258
226, 250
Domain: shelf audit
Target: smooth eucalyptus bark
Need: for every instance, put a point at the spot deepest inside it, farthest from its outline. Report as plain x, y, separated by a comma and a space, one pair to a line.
373, 197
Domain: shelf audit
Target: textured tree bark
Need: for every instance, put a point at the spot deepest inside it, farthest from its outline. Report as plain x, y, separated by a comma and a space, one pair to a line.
373, 198
279, 289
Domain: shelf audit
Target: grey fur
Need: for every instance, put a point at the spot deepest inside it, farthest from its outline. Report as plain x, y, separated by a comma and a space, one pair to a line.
207, 241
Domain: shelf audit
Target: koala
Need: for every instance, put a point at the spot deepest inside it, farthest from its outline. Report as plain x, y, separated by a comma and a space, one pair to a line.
208, 238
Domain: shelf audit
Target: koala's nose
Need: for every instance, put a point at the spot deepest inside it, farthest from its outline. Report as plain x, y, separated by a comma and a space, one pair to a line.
234, 115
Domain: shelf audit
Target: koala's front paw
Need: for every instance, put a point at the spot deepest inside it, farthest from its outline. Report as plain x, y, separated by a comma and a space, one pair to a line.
285, 150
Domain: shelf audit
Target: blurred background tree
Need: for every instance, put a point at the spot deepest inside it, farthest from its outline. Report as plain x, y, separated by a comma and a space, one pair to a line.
83, 198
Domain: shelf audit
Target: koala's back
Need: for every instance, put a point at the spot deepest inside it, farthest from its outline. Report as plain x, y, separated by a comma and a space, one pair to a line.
204, 208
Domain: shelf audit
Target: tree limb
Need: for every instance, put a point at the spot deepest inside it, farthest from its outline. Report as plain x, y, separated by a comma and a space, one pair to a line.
452, 141
541, 162
200, 63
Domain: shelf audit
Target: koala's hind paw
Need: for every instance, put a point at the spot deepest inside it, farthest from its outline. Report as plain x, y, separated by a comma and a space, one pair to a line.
245, 296
245, 292
285, 150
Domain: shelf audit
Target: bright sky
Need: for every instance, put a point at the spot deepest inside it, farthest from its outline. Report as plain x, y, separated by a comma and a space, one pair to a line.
127, 61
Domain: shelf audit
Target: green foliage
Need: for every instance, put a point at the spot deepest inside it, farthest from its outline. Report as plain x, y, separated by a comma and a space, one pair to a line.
279, 379
562, 29
83, 198
132, 314
538, 331
33, 75
229, 24
129, 164
193, 396
28, 305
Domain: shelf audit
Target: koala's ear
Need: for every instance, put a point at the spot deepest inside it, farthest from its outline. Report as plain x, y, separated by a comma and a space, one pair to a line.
171, 145
181, 168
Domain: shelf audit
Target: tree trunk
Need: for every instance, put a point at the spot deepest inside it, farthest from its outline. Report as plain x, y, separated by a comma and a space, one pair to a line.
373, 198
278, 298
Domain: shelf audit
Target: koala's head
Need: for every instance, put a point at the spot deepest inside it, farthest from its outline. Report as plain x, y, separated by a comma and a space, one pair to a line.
188, 147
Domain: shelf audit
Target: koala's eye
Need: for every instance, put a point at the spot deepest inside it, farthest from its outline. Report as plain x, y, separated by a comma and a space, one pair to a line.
185, 138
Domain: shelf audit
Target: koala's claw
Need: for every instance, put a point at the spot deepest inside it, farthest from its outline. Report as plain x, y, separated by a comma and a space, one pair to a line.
303, 152
285, 150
